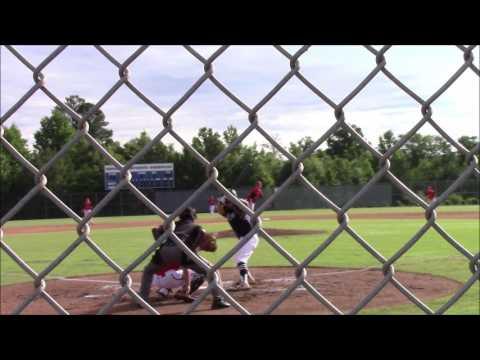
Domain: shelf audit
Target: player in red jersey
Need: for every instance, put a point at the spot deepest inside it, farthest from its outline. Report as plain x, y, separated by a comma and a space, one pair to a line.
430, 194
212, 203
255, 194
87, 206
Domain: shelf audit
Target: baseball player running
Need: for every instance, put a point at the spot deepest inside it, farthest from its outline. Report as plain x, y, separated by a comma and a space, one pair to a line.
241, 226
169, 256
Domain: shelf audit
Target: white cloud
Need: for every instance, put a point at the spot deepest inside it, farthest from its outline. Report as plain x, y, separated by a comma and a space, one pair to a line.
165, 73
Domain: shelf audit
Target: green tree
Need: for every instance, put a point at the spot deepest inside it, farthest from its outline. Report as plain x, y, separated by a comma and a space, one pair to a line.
13, 176
55, 131
230, 135
343, 144
299, 147
132, 147
189, 172
97, 122
386, 141
398, 162
159, 153
81, 168
117, 151
362, 169
419, 147
208, 143
468, 141
87, 169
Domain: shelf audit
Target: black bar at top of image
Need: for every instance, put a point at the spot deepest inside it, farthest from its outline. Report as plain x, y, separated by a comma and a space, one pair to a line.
240, 25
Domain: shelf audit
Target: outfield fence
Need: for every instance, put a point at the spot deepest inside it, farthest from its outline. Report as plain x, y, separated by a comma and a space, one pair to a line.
299, 266
125, 203
382, 194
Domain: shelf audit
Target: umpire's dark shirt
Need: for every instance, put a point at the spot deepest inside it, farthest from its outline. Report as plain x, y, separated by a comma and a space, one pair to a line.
188, 232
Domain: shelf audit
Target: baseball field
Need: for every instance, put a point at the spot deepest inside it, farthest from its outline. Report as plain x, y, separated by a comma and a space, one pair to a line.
344, 273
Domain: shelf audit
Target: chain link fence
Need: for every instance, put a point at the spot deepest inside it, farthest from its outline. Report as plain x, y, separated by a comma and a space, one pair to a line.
299, 267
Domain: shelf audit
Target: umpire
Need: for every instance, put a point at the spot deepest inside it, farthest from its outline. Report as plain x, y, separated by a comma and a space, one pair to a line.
169, 255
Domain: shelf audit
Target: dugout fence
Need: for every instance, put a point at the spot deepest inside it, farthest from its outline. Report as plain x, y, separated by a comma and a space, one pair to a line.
299, 266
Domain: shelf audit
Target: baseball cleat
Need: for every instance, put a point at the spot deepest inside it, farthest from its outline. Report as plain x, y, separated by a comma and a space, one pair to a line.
241, 285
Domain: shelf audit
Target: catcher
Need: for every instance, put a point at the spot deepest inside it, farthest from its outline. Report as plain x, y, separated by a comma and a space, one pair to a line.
241, 226
184, 279
169, 256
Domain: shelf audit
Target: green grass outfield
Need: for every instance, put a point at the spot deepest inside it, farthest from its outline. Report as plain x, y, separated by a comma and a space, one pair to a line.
406, 209
432, 254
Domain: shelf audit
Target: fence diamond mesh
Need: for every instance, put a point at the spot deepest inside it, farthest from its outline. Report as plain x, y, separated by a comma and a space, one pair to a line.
299, 267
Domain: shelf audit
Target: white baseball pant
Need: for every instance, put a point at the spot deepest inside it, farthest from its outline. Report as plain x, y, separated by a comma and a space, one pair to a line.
246, 251
172, 279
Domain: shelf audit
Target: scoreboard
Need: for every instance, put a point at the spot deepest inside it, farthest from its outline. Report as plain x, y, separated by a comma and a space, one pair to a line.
146, 176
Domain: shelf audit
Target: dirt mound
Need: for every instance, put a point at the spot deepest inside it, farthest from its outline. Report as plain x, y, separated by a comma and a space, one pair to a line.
343, 287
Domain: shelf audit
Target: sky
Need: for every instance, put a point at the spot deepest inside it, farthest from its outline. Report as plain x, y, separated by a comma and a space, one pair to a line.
165, 73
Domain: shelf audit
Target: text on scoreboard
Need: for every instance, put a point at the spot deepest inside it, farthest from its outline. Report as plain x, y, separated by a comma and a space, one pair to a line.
160, 175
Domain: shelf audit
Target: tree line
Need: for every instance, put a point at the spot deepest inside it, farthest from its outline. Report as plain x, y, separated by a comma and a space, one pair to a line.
344, 161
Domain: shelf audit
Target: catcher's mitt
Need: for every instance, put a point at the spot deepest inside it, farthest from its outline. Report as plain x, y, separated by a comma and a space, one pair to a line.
156, 232
207, 242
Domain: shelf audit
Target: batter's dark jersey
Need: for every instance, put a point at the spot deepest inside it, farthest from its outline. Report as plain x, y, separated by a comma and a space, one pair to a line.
240, 224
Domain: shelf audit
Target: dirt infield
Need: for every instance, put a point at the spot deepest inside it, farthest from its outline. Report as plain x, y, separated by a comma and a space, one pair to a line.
343, 287
218, 220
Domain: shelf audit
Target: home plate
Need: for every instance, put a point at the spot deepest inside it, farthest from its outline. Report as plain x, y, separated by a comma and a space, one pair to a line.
110, 287
94, 296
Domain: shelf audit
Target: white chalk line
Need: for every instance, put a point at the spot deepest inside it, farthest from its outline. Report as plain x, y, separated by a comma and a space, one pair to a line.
94, 296
115, 285
98, 281
101, 281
